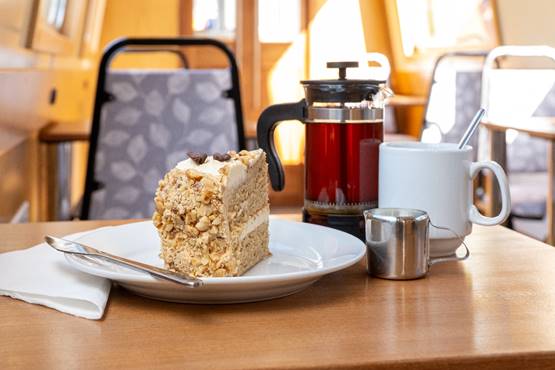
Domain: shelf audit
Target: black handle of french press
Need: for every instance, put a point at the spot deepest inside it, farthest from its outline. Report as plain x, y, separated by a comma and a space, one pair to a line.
342, 66
267, 123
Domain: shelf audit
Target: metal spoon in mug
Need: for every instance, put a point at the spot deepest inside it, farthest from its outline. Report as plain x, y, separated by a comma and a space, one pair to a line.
472, 127
68, 246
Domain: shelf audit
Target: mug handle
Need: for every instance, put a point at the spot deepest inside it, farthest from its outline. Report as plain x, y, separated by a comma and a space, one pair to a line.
474, 215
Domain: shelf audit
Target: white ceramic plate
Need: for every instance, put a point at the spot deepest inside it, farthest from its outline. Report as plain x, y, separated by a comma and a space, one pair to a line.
301, 254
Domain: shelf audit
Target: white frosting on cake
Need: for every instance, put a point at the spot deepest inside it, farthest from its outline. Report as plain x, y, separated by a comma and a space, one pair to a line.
210, 166
259, 218
237, 173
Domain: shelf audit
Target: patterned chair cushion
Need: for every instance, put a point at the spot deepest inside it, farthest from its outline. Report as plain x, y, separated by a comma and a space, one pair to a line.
536, 229
527, 163
526, 156
529, 154
156, 117
528, 192
464, 97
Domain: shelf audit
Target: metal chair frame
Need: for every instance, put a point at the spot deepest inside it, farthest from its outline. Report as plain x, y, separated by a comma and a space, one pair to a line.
103, 96
492, 62
439, 60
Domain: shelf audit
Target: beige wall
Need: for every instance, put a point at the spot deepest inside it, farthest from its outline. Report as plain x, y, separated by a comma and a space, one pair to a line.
526, 22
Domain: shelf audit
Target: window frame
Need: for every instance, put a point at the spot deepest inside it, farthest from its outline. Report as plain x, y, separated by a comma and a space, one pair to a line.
425, 57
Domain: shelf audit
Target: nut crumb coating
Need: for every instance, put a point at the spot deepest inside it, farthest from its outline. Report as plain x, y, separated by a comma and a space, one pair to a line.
196, 222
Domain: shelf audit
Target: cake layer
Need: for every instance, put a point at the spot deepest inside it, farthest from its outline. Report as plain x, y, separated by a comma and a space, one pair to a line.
256, 220
248, 200
249, 253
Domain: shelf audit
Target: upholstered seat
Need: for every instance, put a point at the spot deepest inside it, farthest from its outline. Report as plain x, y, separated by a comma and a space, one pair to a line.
527, 171
526, 156
528, 192
154, 119
454, 98
145, 122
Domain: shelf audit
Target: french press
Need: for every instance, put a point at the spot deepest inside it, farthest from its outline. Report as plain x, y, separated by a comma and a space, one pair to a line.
344, 128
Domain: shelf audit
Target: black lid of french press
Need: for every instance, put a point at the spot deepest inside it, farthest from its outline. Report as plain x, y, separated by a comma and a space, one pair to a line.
341, 90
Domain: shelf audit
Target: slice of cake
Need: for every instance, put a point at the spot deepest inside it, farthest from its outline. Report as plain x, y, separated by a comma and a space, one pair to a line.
212, 213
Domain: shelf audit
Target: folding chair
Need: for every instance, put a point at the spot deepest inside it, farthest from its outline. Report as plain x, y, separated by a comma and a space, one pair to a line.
146, 120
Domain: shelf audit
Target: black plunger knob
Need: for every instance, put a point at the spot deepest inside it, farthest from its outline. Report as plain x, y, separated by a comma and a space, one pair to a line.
342, 67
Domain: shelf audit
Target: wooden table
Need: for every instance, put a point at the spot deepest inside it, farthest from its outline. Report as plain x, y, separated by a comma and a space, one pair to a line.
495, 310
542, 127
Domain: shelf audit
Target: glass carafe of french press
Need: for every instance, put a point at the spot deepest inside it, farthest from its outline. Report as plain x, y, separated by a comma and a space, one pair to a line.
344, 128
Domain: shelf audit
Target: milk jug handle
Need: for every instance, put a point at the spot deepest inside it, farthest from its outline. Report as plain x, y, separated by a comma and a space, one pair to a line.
434, 260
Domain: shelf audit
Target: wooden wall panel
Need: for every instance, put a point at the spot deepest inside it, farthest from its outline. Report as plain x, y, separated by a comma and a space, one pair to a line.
37, 86
16, 171
141, 18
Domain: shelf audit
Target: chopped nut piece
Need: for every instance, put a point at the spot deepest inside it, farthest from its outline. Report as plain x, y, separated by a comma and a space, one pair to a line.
159, 204
194, 174
245, 160
203, 224
198, 158
191, 218
202, 210
219, 273
191, 230
206, 195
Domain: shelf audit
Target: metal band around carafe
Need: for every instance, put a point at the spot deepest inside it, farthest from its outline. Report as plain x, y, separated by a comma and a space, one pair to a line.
343, 115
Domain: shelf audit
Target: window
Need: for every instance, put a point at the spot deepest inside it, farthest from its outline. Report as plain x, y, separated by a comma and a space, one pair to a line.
59, 26
55, 11
214, 17
445, 24
278, 20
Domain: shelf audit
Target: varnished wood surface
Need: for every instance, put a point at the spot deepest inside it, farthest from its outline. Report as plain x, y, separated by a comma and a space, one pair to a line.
550, 198
543, 127
59, 132
495, 310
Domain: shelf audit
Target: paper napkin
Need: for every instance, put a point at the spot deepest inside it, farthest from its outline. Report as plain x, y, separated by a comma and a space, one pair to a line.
41, 275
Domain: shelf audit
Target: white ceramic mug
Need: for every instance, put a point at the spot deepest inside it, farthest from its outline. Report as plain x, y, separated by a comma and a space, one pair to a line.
437, 178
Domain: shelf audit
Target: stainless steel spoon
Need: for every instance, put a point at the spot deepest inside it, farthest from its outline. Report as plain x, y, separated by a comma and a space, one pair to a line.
68, 246
472, 127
